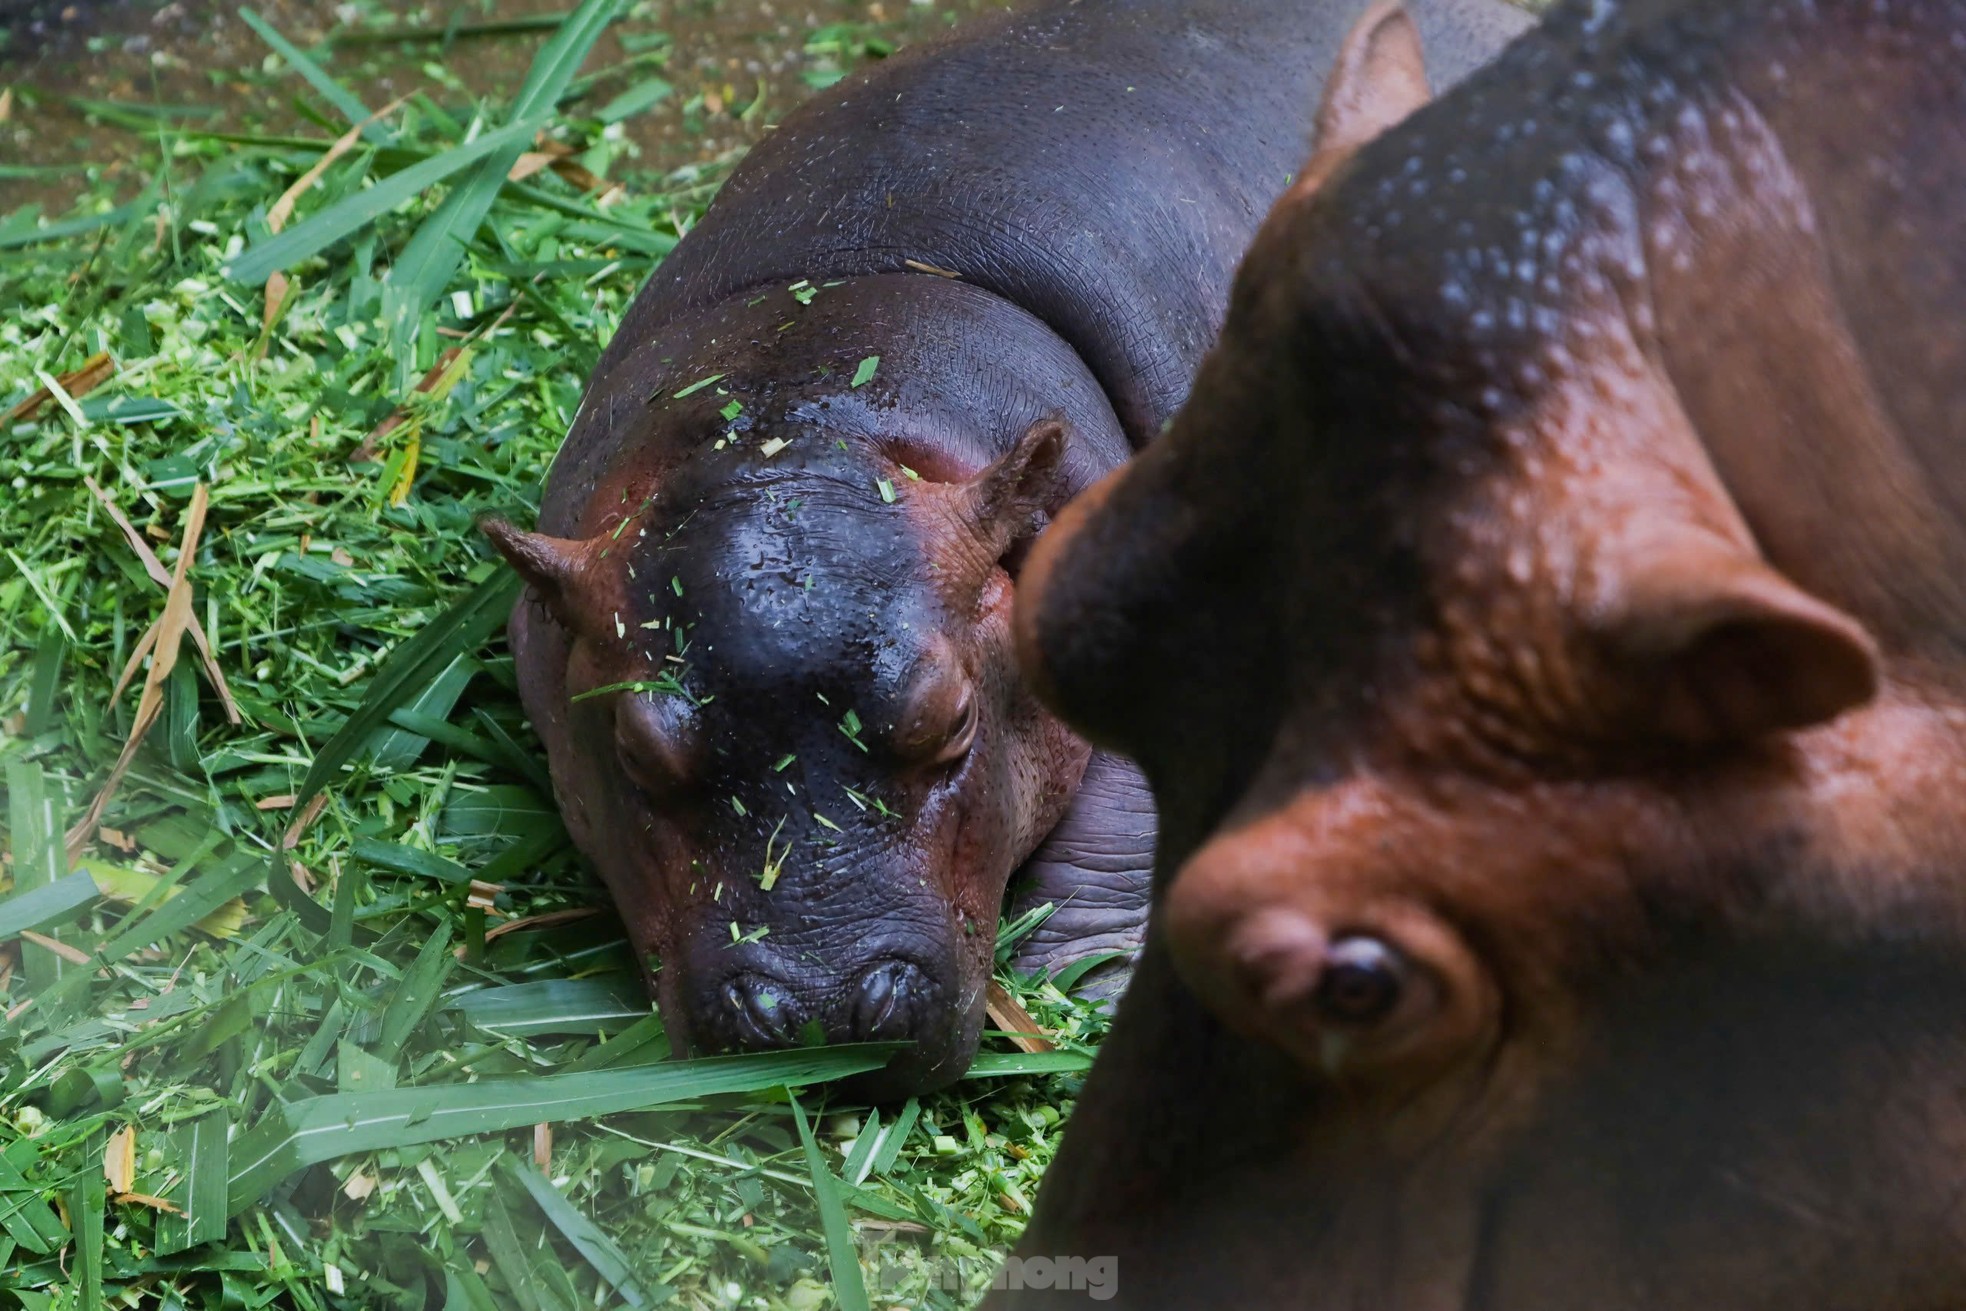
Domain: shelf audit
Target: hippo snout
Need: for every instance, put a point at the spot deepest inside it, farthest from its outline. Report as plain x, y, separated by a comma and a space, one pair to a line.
748, 1008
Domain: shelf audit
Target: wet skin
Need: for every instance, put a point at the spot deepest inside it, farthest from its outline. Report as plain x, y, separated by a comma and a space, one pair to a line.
1571, 517
813, 793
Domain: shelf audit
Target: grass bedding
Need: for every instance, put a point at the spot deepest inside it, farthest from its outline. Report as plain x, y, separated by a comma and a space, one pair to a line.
320, 1009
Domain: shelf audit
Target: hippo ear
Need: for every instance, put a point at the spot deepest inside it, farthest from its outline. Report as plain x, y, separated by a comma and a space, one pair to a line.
1380, 78
1722, 648
554, 567
1005, 503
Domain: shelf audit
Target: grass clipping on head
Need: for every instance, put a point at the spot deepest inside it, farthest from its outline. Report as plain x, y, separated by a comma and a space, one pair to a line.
305, 990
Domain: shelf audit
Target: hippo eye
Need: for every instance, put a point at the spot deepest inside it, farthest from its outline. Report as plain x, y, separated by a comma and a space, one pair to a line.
1382, 1000
938, 724
651, 737
959, 742
1363, 982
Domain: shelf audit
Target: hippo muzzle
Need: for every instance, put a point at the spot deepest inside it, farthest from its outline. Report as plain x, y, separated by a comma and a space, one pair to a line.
919, 989
869, 934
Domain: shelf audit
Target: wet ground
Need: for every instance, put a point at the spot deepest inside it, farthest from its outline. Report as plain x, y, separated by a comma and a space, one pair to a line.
92, 83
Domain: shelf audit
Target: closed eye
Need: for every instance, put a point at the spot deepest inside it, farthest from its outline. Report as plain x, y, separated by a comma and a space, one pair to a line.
652, 740
959, 742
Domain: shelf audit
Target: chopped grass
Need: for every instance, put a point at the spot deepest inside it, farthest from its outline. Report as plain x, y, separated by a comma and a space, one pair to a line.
324, 969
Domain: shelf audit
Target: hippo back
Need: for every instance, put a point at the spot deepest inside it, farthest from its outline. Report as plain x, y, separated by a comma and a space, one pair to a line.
1100, 164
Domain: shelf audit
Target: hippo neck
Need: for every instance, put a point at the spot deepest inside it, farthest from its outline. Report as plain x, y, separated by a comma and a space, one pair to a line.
948, 375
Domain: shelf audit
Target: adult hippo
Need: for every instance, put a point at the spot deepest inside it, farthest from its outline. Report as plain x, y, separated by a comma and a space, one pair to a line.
767, 643
1563, 880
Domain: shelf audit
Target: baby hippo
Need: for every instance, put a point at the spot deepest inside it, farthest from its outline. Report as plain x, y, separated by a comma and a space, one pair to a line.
1544, 620
767, 643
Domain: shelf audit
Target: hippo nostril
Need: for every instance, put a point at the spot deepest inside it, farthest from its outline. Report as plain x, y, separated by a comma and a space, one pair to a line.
758, 1012
890, 1002
876, 1001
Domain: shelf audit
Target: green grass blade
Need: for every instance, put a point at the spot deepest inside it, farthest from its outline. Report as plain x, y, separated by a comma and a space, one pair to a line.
87, 1200
95, 1033
129, 409
641, 1043
416, 994
24, 1217
560, 58
45, 904
400, 859
642, 96
465, 1291
523, 1010
1001, 1065
341, 920
333, 92
232, 877
40, 859
304, 1133
515, 757
15, 233
313, 1058
1067, 978
462, 741
860, 1156
450, 32
357, 1071
896, 1138
600, 1251
424, 269
548, 837
137, 115
460, 630
198, 1149
352, 213
44, 693
509, 1254
396, 749
849, 1285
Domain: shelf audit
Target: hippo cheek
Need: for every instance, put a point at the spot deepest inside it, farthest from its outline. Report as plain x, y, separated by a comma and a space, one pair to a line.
645, 854
642, 875
1272, 926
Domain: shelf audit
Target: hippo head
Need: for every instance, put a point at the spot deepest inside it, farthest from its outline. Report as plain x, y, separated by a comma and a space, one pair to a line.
795, 740
1493, 706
